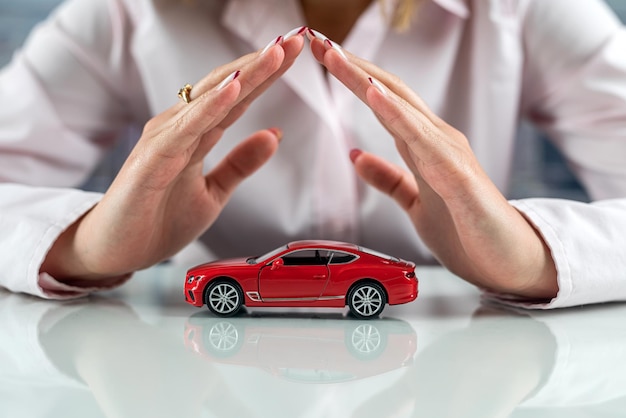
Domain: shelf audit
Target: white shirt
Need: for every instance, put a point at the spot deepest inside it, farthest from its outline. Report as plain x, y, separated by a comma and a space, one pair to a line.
96, 65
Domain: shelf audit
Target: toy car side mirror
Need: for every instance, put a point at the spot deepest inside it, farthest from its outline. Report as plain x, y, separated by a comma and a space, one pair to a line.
278, 263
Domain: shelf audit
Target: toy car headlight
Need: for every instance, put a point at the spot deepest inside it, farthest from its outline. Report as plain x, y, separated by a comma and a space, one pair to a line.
193, 278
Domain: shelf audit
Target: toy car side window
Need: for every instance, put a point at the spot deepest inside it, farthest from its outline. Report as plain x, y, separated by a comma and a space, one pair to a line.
323, 256
304, 258
339, 257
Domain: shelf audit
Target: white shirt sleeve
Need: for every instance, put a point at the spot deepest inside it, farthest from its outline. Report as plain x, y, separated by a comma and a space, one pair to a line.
63, 102
576, 78
575, 89
31, 219
588, 246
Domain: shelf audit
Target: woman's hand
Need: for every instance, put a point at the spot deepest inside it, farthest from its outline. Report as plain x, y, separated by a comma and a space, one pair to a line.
160, 201
457, 210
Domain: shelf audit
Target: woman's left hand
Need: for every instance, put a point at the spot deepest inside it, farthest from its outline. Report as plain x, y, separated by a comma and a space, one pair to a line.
457, 210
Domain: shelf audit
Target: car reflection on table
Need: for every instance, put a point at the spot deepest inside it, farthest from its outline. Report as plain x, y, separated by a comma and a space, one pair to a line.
309, 350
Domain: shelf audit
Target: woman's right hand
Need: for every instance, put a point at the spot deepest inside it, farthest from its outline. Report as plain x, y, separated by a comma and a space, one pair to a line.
160, 201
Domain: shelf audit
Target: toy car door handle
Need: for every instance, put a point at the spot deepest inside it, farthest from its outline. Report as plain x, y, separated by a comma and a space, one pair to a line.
319, 276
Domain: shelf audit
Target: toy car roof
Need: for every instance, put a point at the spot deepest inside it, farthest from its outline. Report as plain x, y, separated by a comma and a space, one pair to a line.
321, 243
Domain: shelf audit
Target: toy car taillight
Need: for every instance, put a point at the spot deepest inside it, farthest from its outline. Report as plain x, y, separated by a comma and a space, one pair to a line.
409, 274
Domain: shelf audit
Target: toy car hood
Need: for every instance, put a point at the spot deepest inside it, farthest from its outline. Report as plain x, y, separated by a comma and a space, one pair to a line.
230, 262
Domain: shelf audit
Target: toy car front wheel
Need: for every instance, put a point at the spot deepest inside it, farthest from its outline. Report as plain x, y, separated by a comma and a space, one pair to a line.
367, 300
224, 298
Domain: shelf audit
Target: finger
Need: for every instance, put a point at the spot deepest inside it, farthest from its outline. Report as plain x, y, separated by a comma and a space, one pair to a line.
259, 74
241, 162
396, 85
215, 77
355, 78
292, 48
253, 73
388, 178
339, 65
320, 43
429, 142
338, 62
361, 84
274, 59
252, 70
426, 142
196, 119
206, 144
318, 49
176, 135
201, 115
291, 45
254, 61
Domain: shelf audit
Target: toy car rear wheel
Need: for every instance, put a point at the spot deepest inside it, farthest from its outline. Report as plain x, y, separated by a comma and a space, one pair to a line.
224, 298
367, 300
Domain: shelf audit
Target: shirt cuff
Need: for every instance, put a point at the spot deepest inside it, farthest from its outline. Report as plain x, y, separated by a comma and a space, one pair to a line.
588, 248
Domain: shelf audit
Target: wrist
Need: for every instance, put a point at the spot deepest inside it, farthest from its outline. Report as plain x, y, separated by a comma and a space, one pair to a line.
63, 260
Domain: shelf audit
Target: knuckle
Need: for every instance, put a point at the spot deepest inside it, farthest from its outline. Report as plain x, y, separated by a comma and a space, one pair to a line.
151, 125
183, 127
396, 81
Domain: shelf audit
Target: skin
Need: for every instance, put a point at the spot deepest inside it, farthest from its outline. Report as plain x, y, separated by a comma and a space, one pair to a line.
160, 201
457, 210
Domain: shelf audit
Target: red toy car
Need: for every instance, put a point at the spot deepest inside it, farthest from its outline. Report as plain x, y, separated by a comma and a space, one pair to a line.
304, 274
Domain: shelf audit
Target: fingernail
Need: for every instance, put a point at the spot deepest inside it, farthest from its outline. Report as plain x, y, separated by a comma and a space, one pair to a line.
228, 80
271, 44
312, 34
336, 47
354, 154
277, 132
378, 86
294, 32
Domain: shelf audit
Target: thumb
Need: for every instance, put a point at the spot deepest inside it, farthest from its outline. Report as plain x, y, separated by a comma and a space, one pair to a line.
390, 179
241, 162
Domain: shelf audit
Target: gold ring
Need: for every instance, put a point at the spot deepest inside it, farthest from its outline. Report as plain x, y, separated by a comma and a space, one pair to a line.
185, 93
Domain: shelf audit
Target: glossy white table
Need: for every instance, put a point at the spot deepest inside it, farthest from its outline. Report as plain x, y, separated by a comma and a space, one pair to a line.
140, 351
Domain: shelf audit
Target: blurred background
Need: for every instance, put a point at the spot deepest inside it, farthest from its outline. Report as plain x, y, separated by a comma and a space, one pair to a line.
539, 171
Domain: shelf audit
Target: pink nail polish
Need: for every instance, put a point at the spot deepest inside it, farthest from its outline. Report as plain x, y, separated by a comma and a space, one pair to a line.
232, 76
294, 32
354, 154
313, 34
276, 41
277, 132
378, 85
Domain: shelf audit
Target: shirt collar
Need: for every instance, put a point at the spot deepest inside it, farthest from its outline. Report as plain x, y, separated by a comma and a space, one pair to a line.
456, 7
